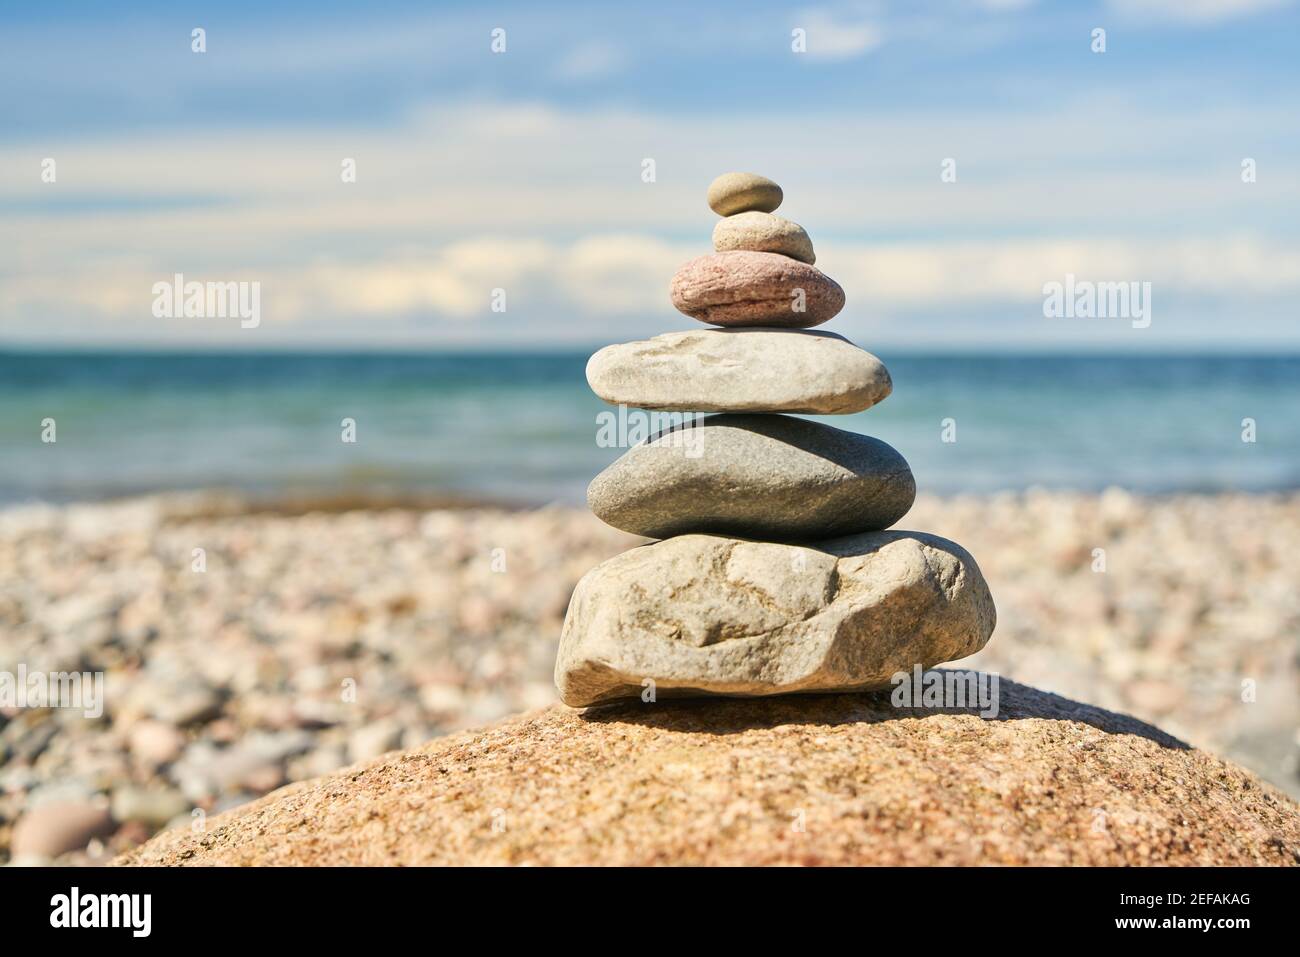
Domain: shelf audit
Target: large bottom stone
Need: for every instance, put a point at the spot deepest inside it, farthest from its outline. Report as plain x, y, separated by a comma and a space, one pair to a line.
708, 615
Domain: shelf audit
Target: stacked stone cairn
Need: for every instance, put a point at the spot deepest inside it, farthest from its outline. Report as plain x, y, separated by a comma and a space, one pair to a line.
774, 572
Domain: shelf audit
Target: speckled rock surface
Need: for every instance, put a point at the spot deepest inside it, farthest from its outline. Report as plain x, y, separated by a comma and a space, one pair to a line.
703, 614
774, 477
827, 779
764, 233
740, 370
733, 193
742, 288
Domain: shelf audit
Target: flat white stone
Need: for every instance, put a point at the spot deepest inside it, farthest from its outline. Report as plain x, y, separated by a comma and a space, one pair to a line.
740, 370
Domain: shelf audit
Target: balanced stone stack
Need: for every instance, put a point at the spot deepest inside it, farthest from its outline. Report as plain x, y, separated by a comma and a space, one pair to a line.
774, 573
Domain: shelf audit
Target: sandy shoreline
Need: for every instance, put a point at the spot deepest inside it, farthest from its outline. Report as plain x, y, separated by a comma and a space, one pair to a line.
312, 640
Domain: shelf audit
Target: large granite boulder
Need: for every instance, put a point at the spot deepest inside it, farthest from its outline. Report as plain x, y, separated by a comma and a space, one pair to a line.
844, 779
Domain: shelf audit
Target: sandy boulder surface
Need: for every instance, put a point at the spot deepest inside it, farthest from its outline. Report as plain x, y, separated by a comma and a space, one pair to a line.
819, 779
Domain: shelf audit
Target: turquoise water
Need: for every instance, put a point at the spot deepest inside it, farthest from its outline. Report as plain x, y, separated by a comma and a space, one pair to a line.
523, 427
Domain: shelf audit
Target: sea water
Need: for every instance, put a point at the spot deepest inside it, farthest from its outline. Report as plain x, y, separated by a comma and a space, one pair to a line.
524, 427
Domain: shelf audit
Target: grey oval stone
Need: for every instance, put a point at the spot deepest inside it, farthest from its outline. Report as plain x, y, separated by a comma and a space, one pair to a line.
740, 370
709, 615
734, 193
763, 233
762, 476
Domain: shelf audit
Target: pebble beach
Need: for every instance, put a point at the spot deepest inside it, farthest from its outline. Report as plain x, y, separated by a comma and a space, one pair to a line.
298, 642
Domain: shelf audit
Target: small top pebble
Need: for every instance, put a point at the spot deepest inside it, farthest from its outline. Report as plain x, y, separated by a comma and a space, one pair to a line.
734, 193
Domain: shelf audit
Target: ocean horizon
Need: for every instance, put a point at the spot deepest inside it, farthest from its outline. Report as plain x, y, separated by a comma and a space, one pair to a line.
522, 426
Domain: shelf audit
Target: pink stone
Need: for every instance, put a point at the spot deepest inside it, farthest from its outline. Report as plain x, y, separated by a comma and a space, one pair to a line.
746, 288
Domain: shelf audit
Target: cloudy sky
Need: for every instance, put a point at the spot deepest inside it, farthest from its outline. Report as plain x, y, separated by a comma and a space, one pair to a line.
523, 170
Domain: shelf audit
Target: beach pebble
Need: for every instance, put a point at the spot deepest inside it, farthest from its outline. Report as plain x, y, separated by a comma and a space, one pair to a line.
254, 763
442, 698
28, 739
188, 704
1153, 696
266, 778
54, 828
772, 477
742, 288
704, 614
486, 708
151, 806
17, 778
373, 740
319, 761
764, 233
733, 193
740, 370
154, 743
315, 715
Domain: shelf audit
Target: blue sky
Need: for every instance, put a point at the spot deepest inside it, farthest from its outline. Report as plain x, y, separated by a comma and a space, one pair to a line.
522, 170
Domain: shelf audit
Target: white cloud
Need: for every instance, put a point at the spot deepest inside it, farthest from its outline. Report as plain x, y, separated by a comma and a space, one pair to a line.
452, 171
831, 37
1194, 11
582, 285
590, 61
549, 204
946, 273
